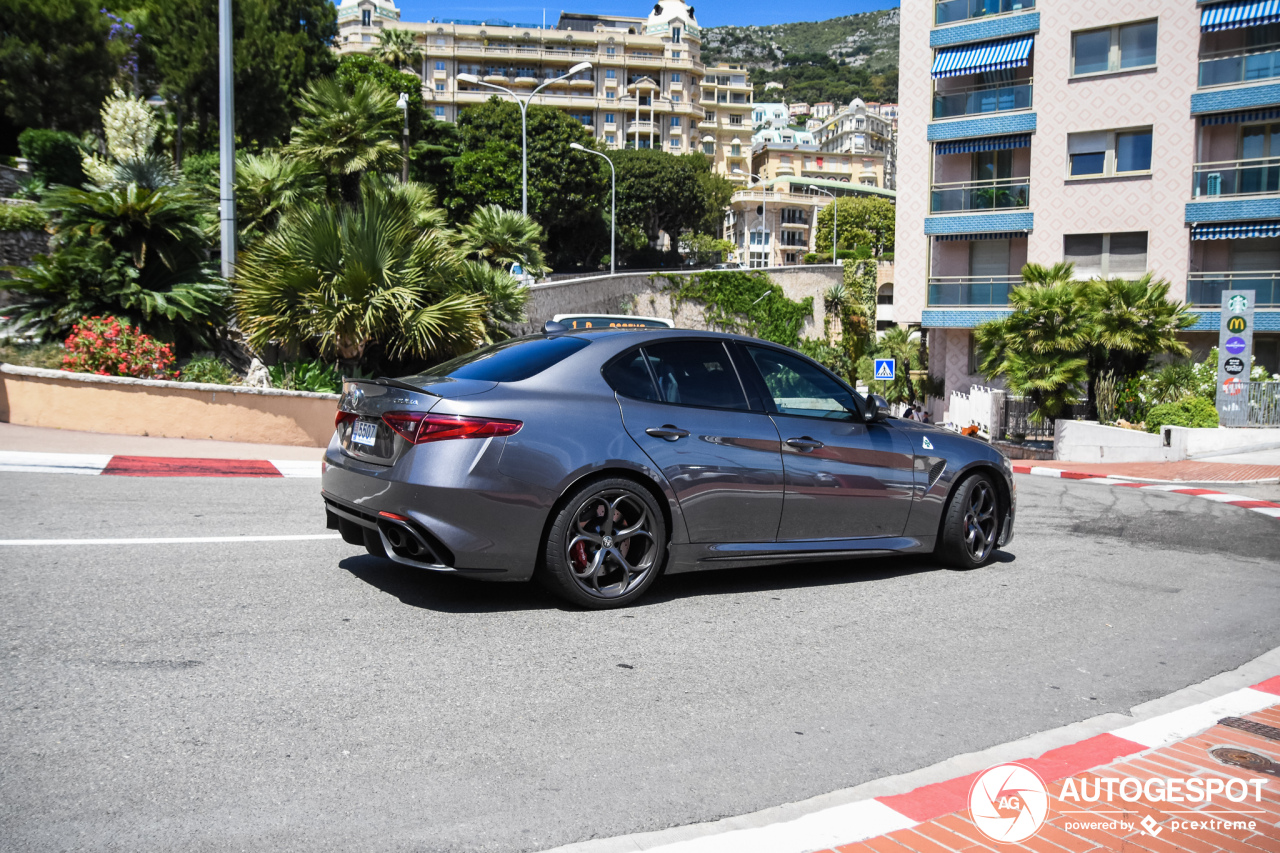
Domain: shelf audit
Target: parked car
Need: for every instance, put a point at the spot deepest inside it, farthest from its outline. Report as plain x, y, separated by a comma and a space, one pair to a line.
596, 460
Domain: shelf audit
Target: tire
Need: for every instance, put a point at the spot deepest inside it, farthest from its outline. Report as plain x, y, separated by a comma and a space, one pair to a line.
585, 559
971, 524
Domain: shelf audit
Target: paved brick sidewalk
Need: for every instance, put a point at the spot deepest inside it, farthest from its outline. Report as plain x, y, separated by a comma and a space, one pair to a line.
1171, 472
1119, 825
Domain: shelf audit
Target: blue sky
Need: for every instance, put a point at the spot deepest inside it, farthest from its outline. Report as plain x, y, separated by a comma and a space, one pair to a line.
710, 13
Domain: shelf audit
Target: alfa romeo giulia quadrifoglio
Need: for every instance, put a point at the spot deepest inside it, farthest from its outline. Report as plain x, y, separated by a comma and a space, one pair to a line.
595, 460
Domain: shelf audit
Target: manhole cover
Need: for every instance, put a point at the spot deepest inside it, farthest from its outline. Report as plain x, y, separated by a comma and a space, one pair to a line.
1247, 760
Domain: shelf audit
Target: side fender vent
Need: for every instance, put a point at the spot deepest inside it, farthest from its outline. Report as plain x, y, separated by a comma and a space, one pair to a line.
935, 472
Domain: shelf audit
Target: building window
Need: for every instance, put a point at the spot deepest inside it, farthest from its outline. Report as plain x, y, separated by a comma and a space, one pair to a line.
439, 87
610, 118
366, 18
711, 115
609, 138
675, 121
610, 96
1114, 48
709, 148
675, 77
1109, 152
439, 112
974, 360
675, 35
440, 65
760, 238
735, 119
610, 51
675, 142
1122, 255
675, 54
610, 74
735, 150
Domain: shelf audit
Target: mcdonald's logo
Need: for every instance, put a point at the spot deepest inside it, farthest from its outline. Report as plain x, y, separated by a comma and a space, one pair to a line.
1237, 325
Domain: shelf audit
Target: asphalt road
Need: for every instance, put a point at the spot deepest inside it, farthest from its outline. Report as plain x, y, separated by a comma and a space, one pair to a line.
301, 696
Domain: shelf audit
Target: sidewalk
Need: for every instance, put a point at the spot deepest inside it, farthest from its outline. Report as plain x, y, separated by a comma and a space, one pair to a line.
45, 440
1244, 468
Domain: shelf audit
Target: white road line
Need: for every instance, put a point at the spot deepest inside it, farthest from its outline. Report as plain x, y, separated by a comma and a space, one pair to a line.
1178, 725
174, 540
1272, 511
306, 468
26, 462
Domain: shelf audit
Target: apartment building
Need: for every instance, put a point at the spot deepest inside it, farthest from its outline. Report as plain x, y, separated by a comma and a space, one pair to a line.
1122, 135
646, 88
857, 130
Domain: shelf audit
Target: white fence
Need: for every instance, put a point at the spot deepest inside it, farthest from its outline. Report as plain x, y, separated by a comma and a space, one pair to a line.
981, 407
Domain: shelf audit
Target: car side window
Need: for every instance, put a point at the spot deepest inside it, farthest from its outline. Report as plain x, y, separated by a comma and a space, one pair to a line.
696, 373
799, 388
630, 378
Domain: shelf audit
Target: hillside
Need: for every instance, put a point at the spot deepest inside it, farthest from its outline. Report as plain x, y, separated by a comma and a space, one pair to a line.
834, 60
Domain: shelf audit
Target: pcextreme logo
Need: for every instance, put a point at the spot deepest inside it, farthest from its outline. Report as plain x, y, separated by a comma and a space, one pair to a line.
1009, 803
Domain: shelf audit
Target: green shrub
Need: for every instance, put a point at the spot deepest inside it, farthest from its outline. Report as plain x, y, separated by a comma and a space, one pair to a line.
817, 258
210, 370
202, 170
1196, 412
22, 217
306, 376
54, 155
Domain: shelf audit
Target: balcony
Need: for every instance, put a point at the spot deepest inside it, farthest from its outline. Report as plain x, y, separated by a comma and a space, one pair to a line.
954, 11
980, 100
1258, 176
971, 290
964, 196
1206, 288
1246, 65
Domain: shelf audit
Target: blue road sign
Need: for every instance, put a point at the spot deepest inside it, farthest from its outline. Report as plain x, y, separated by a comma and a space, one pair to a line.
1235, 346
884, 369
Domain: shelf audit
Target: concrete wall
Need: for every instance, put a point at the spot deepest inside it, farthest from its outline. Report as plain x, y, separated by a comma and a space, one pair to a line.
1089, 441
649, 295
81, 401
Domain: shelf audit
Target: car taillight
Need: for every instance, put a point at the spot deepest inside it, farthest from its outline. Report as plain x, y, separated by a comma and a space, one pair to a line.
420, 427
343, 418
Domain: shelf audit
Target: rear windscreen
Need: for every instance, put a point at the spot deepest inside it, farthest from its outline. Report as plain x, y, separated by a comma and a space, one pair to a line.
508, 361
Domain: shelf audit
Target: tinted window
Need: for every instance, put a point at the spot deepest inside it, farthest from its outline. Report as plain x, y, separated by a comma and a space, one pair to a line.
629, 377
696, 373
509, 361
800, 388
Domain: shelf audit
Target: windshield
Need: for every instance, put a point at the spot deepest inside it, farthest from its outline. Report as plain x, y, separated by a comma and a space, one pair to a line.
508, 361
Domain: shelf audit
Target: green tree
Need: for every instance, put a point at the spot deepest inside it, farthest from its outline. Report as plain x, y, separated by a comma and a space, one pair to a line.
504, 237
346, 133
357, 67
903, 346
660, 192
54, 156
357, 282
57, 63
864, 221
279, 46
568, 189
397, 48
268, 185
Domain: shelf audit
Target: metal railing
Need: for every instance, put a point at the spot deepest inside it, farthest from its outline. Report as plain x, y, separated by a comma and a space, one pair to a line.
1000, 194
1254, 176
1255, 404
951, 11
1206, 288
975, 100
972, 290
1240, 65
1016, 419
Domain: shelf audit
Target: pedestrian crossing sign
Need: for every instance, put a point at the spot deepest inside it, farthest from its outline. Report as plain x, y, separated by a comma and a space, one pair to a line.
884, 369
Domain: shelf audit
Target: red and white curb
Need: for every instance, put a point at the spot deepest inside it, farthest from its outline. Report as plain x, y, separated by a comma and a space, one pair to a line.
848, 823
1268, 508
21, 461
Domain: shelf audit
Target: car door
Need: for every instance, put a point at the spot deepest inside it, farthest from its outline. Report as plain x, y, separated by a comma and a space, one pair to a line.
683, 403
844, 478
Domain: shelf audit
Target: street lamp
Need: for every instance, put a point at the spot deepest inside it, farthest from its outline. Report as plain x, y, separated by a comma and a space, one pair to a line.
764, 219
835, 223
226, 139
524, 121
613, 204
403, 104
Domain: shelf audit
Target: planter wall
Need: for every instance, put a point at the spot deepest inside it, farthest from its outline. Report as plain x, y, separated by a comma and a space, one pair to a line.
81, 401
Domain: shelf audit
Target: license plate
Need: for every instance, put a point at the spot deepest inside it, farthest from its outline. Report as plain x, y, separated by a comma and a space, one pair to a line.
366, 433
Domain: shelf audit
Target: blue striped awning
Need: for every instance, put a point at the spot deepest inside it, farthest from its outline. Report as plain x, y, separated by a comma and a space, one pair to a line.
986, 143
1241, 13
1241, 117
988, 56
984, 235
1236, 230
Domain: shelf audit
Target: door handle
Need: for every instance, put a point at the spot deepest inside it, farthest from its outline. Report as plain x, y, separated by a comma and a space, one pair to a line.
667, 431
805, 444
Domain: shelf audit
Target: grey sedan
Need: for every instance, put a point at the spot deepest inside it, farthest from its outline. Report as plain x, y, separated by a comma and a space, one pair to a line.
596, 460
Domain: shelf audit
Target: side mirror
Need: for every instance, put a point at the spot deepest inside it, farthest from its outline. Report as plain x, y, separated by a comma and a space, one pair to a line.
878, 408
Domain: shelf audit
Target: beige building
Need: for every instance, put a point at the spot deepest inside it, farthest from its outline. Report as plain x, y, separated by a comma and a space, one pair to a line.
857, 130
647, 87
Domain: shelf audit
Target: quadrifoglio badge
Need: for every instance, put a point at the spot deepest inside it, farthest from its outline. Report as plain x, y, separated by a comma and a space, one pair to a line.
1009, 803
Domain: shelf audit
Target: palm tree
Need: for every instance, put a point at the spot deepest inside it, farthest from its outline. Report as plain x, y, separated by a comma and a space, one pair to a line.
856, 323
903, 346
266, 186
1042, 276
397, 48
347, 279
346, 134
505, 237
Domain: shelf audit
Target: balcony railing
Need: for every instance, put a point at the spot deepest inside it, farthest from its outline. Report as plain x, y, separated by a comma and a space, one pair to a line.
971, 289
951, 11
1206, 288
1000, 194
1236, 177
1240, 65
976, 100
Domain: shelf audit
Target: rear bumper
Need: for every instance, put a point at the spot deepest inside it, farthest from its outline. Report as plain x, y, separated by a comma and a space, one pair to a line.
472, 518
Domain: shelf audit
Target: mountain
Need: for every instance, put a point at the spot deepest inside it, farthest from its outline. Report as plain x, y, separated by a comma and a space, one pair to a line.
834, 60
